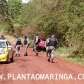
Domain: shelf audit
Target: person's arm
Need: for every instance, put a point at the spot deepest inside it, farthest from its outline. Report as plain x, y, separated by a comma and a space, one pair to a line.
47, 41
37, 39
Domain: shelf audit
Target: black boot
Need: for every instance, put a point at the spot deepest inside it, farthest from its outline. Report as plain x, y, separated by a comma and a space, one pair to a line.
49, 60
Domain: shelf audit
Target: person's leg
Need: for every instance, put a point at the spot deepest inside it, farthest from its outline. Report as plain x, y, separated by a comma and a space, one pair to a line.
52, 55
49, 55
52, 58
26, 47
19, 50
34, 47
47, 51
36, 50
16, 50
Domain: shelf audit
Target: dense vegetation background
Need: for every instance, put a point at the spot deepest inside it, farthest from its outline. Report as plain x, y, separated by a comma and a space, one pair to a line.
65, 18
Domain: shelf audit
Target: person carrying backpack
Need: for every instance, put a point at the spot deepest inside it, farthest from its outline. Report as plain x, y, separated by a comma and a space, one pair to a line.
39, 44
18, 46
26, 44
51, 44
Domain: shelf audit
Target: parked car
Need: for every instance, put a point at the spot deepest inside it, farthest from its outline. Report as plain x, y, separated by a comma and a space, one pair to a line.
6, 51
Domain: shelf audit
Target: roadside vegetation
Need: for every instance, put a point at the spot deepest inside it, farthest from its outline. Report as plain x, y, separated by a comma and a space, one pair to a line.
67, 54
64, 18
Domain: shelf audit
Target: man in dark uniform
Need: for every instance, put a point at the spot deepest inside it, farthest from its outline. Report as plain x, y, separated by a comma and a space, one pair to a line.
51, 44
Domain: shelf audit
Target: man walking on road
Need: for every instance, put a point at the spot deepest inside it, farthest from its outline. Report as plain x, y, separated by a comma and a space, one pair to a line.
35, 44
51, 44
18, 46
26, 44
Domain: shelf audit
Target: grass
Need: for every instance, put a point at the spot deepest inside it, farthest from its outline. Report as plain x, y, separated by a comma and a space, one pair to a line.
65, 53
76, 60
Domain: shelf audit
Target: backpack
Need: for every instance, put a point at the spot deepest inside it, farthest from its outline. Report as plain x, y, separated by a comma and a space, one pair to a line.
42, 44
18, 42
52, 42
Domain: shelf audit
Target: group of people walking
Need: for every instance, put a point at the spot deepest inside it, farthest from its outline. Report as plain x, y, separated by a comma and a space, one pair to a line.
20, 44
39, 44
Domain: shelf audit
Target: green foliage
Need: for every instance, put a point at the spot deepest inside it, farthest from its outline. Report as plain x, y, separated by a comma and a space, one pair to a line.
10, 14
5, 20
14, 8
65, 18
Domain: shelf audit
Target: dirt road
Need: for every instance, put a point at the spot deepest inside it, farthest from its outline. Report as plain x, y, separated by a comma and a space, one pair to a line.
38, 64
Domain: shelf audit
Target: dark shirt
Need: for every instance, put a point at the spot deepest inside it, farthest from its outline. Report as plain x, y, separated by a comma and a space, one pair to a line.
52, 42
18, 42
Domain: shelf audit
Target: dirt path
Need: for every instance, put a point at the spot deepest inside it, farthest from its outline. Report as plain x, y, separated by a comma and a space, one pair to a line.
38, 64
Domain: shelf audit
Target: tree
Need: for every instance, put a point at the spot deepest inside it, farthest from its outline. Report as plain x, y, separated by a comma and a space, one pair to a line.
15, 7
5, 15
